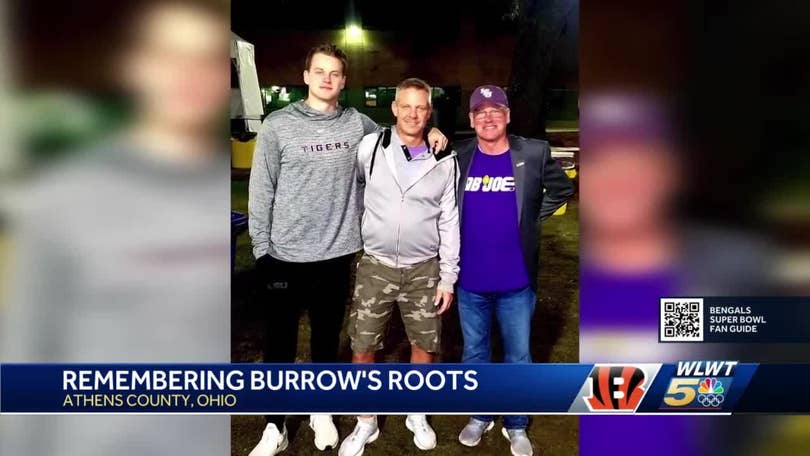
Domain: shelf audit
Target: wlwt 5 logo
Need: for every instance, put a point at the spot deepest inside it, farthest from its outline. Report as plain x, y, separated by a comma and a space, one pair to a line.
616, 388
699, 386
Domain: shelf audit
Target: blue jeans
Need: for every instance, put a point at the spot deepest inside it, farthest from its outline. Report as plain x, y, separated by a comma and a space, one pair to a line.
513, 311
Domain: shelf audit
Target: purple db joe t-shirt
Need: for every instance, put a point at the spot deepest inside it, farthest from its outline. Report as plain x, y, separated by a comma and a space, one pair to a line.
491, 255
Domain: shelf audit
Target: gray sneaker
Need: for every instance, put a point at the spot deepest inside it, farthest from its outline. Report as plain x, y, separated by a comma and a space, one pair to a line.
518, 441
471, 434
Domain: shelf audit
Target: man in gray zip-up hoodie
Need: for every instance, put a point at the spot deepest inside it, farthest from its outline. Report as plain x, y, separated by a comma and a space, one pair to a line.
304, 204
410, 234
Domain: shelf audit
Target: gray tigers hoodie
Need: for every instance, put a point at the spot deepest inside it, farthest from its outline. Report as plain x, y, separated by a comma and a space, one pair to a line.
304, 202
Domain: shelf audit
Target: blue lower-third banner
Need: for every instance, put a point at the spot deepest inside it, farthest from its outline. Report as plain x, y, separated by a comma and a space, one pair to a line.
688, 387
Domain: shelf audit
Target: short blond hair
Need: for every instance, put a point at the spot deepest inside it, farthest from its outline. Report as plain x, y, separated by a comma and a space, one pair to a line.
415, 83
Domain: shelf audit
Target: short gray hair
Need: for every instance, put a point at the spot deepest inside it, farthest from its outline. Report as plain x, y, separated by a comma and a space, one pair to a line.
415, 83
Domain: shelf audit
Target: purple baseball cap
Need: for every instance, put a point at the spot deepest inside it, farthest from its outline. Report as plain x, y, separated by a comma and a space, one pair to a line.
488, 94
624, 116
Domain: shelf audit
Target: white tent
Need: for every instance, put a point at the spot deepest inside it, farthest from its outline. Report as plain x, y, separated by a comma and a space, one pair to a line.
246, 101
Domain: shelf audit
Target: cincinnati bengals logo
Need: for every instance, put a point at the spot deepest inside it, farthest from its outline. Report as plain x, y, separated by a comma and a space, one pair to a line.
615, 388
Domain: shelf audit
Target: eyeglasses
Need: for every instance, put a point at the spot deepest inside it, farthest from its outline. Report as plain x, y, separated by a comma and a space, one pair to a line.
491, 113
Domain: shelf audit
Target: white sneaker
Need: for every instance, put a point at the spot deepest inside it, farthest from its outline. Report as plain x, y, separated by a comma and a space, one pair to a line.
326, 434
519, 442
423, 435
272, 442
471, 434
364, 432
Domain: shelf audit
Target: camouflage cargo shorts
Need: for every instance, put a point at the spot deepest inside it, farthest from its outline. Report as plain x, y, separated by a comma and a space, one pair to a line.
378, 287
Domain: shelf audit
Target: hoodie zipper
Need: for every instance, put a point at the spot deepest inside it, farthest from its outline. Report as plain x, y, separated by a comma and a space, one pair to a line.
399, 223
402, 202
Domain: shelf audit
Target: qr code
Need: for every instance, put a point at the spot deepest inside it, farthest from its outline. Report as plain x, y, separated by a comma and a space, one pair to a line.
681, 320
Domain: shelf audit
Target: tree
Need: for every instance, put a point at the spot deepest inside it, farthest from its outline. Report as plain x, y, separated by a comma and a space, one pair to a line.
541, 24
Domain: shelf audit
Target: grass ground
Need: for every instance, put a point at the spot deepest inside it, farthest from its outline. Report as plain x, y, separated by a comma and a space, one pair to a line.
555, 335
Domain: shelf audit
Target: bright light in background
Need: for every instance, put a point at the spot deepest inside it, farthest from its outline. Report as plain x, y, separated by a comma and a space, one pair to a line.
354, 34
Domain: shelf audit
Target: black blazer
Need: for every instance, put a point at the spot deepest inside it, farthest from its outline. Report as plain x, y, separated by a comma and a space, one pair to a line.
534, 170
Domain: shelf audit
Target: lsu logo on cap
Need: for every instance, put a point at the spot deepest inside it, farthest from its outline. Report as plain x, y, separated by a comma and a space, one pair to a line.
614, 388
486, 92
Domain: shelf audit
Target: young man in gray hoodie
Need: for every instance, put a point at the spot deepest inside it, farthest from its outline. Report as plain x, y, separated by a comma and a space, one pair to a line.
411, 241
304, 208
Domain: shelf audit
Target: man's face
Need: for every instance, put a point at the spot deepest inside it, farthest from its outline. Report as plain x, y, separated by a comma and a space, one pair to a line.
489, 121
325, 77
629, 188
177, 68
412, 110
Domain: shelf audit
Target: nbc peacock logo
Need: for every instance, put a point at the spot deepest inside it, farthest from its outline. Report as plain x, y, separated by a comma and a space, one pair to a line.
711, 393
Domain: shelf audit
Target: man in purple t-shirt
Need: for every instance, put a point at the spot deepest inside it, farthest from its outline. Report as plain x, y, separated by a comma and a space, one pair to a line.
508, 183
